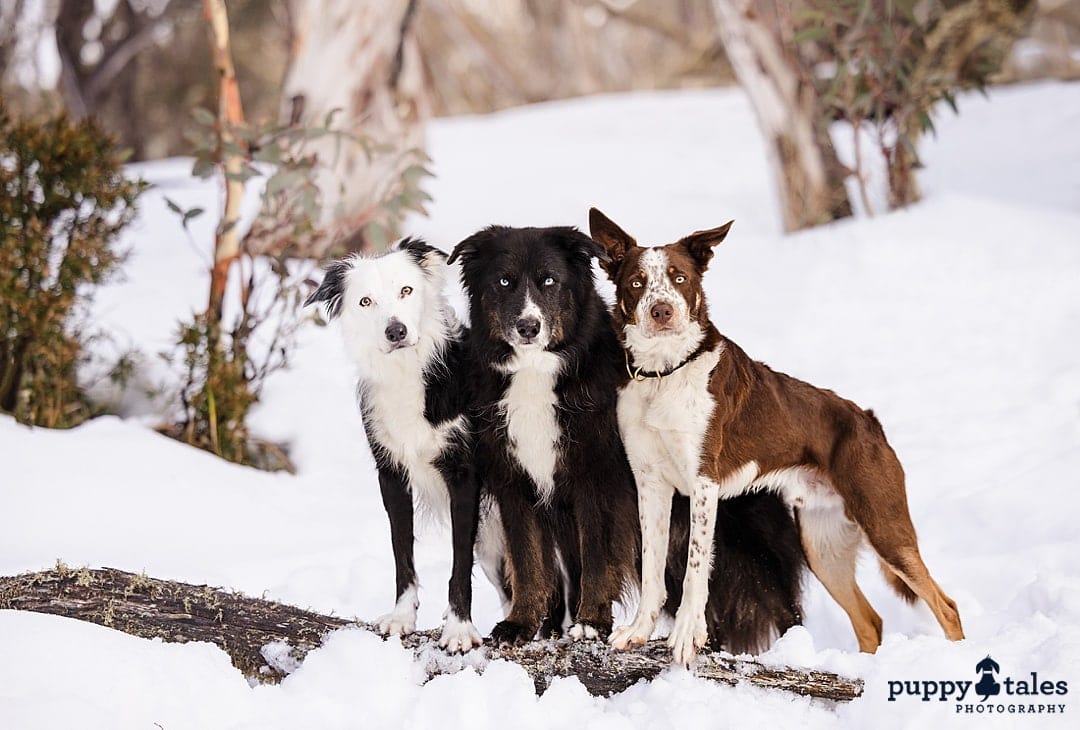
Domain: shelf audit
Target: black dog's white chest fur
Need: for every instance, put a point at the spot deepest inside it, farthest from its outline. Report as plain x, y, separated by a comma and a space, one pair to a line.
528, 409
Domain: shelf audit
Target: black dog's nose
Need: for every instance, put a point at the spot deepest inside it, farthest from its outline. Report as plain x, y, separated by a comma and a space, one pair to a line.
395, 332
527, 327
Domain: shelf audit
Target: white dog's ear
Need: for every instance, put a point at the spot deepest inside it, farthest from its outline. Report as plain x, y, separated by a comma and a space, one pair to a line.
332, 289
426, 256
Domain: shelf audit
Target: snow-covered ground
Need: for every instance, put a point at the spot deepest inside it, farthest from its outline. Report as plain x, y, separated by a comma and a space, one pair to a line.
958, 321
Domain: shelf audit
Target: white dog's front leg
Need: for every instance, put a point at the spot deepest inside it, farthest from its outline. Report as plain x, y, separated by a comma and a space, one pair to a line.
402, 620
690, 631
654, 512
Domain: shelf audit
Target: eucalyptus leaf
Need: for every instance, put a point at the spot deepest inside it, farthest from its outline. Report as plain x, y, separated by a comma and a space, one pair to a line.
204, 116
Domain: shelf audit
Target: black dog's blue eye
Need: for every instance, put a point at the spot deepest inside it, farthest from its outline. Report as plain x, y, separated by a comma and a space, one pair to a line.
549, 281
504, 282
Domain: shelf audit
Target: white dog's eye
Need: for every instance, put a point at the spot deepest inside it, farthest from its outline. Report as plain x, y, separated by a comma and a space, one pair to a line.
636, 284
549, 281
680, 279
365, 302
406, 291
504, 282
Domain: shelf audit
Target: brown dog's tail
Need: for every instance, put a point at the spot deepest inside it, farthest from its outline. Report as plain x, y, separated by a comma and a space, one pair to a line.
902, 589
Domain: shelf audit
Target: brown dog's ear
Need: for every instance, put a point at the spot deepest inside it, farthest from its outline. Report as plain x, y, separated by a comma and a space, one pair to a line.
615, 241
700, 244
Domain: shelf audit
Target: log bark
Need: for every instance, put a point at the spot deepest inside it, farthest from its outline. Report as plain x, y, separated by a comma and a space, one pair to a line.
243, 627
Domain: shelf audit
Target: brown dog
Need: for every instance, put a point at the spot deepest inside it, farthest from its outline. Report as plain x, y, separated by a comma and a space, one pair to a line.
699, 416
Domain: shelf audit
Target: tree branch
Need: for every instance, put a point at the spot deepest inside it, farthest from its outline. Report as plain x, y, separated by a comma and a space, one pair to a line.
243, 627
230, 115
121, 55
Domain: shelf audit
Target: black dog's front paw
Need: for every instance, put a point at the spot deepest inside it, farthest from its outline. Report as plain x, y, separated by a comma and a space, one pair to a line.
590, 630
509, 633
551, 629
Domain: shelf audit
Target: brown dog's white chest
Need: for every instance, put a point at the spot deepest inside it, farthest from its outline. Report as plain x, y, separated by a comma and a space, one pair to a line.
663, 422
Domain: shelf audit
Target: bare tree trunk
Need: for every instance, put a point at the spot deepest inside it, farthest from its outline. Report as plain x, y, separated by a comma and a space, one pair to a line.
230, 114
244, 627
106, 86
10, 14
803, 161
359, 56
70, 19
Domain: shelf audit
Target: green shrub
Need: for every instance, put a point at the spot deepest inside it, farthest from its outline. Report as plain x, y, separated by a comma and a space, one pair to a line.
64, 202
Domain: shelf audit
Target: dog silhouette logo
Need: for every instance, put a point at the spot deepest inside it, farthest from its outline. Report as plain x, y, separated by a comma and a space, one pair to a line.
987, 685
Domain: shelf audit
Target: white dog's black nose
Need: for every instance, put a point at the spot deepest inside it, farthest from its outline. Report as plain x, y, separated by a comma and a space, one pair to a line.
527, 327
396, 331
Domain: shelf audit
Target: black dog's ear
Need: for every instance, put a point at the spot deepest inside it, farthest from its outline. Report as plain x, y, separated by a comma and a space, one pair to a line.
579, 244
426, 256
700, 244
614, 241
332, 289
472, 245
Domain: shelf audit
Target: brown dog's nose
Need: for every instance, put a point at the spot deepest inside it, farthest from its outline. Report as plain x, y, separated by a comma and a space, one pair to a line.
661, 313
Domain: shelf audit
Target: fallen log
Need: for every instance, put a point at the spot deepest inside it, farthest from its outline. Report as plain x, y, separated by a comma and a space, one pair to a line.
267, 640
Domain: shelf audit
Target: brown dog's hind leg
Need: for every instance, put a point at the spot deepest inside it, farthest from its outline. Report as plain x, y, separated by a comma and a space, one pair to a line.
896, 545
831, 542
877, 499
910, 568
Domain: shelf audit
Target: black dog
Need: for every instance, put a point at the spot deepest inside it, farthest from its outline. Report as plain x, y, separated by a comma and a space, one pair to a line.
546, 364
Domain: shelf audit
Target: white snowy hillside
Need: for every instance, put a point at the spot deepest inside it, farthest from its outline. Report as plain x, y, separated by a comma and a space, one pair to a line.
957, 321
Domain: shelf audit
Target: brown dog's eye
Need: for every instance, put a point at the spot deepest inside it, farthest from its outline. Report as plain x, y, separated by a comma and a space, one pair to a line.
406, 291
365, 302
636, 284
680, 279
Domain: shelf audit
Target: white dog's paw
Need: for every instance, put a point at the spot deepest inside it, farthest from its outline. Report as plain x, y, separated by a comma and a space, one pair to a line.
459, 636
631, 635
578, 632
402, 620
397, 624
687, 637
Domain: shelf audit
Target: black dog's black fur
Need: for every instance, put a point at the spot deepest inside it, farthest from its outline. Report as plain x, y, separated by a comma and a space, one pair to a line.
447, 397
758, 564
591, 518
